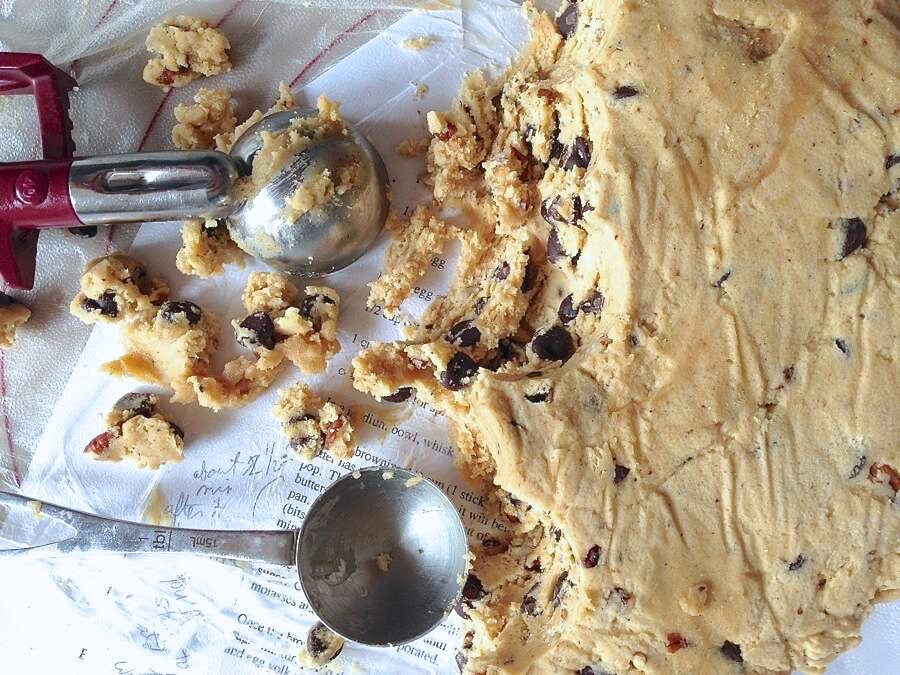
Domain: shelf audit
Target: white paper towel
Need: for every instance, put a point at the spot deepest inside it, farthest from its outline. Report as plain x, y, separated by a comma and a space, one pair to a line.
141, 614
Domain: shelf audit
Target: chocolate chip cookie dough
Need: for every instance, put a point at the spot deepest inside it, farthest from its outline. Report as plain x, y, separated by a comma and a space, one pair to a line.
116, 288
186, 48
12, 315
206, 247
312, 425
670, 348
322, 646
137, 431
198, 125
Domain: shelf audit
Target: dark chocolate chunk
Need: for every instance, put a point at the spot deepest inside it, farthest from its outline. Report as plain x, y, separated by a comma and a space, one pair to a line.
170, 311
731, 651
797, 563
579, 209
855, 234
468, 640
530, 275
579, 154
620, 474
593, 303
592, 557
529, 602
84, 231
891, 161
842, 346
473, 589
567, 311
318, 639
461, 661
788, 373
479, 305
555, 250
135, 404
177, 430
567, 21
464, 334
858, 467
105, 304
503, 354
559, 589
624, 91
587, 670
722, 279
460, 370
535, 565
539, 396
554, 344
502, 271
262, 331
402, 394
550, 210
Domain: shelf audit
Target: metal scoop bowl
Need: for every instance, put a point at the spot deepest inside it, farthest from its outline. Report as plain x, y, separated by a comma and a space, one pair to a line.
381, 556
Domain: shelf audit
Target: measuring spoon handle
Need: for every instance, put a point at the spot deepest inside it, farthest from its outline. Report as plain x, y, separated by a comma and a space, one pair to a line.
94, 533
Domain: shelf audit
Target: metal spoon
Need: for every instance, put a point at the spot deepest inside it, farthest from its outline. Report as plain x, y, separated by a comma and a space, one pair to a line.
381, 560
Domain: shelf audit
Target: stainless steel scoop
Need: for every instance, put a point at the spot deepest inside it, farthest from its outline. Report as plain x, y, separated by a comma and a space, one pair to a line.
381, 560
177, 185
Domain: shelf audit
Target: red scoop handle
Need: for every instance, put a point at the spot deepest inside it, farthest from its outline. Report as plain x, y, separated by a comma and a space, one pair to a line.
35, 194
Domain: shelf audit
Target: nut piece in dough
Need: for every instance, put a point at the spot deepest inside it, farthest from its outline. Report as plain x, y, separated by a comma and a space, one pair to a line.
187, 48
322, 646
198, 125
12, 315
137, 431
206, 247
313, 426
116, 288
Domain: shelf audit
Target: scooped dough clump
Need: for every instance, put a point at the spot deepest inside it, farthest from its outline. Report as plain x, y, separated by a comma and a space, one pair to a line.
12, 315
669, 352
186, 48
312, 425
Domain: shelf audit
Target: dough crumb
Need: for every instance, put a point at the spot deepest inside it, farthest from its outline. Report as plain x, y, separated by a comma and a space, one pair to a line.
156, 510
322, 646
356, 474
418, 43
413, 481
413, 147
198, 125
415, 241
206, 247
137, 431
313, 426
116, 288
186, 48
387, 475
36, 509
421, 90
383, 561
12, 315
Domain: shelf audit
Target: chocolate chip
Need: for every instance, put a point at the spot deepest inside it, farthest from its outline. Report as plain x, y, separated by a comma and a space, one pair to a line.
105, 304
592, 557
858, 467
473, 589
675, 642
464, 334
539, 396
788, 373
731, 651
262, 331
722, 279
501, 272
555, 250
468, 640
7, 300
579, 154
567, 311
797, 563
529, 602
460, 369
555, 344
550, 210
99, 444
530, 275
170, 311
559, 589
587, 670
620, 473
496, 100
891, 161
479, 305
624, 91
461, 661
177, 430
318, 639
567, 21
556, 533
854, 236
578, 210
135, 404
492, 546
398, 396
84, 231
309, 307
842, 346
504, 353
593, 303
